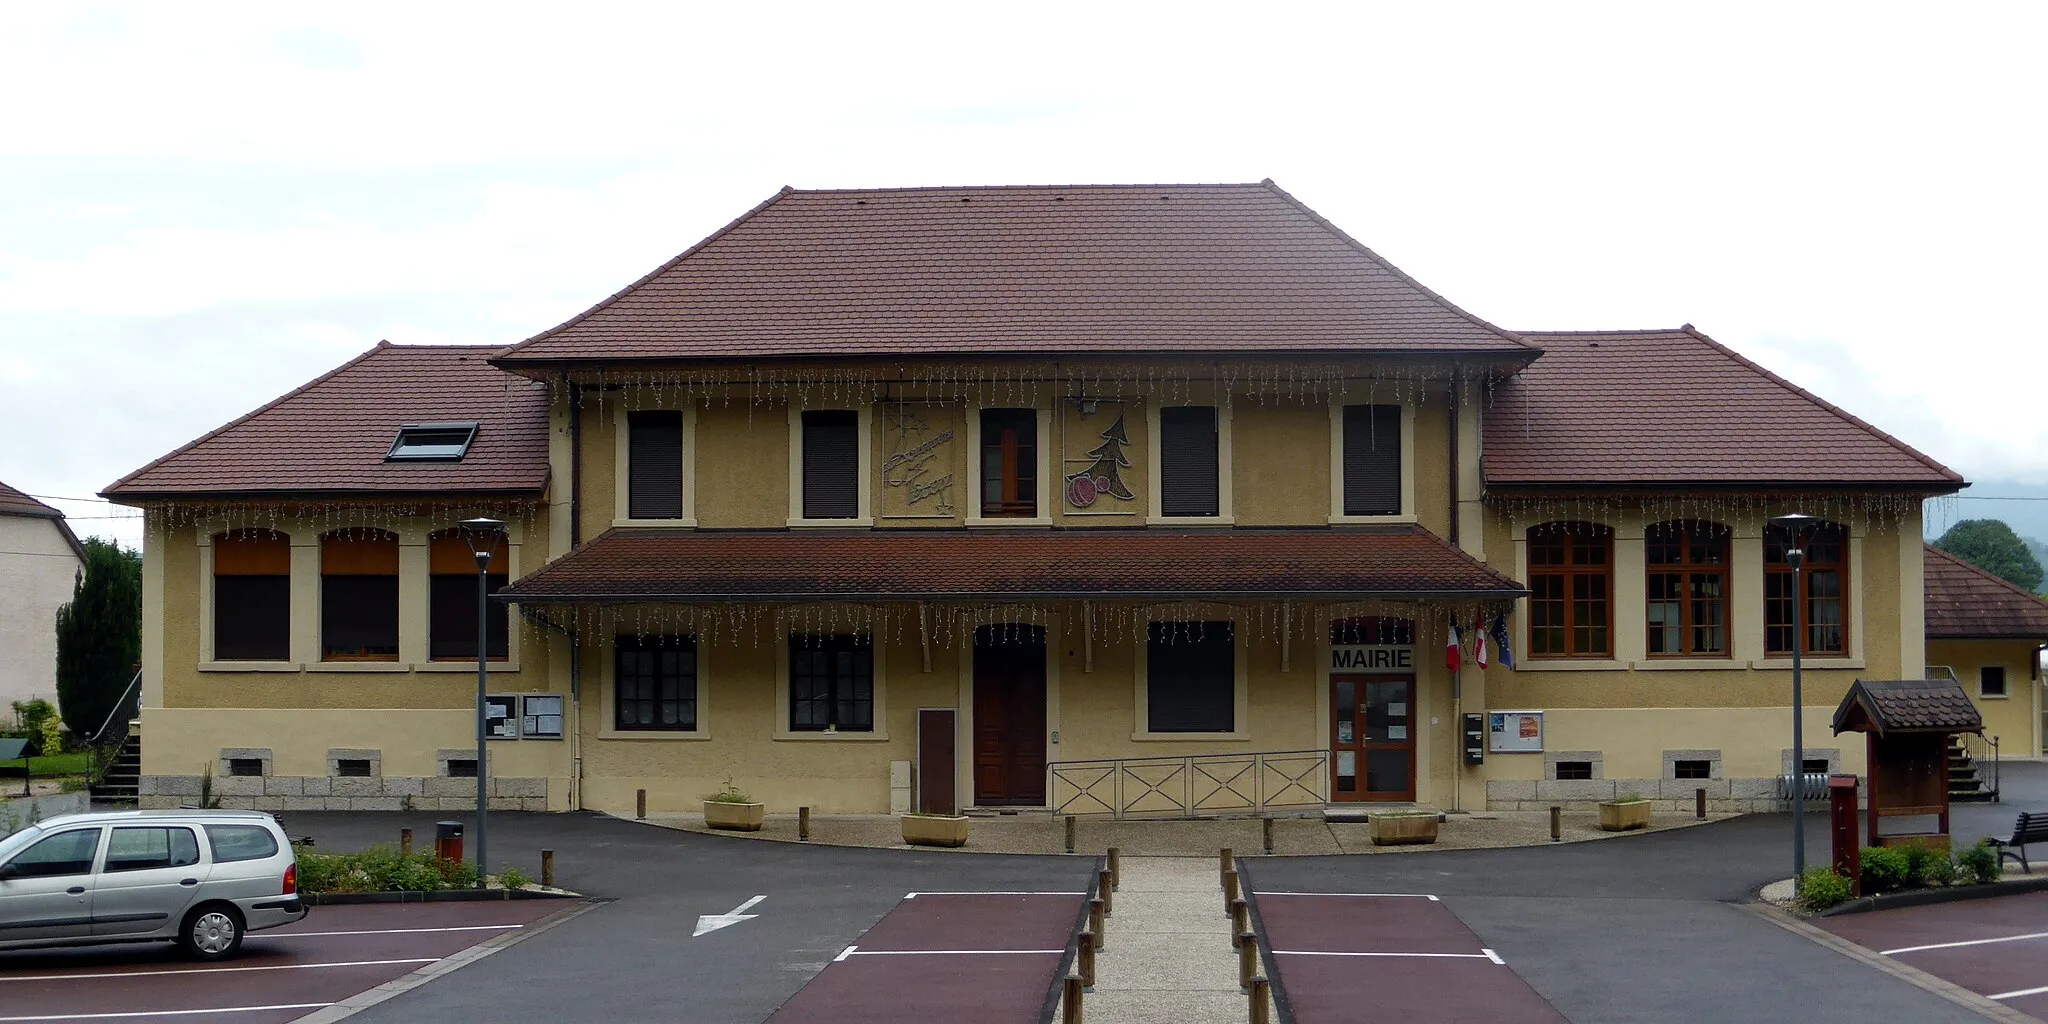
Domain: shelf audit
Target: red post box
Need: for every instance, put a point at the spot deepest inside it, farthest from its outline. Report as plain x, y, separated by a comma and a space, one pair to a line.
1848, 860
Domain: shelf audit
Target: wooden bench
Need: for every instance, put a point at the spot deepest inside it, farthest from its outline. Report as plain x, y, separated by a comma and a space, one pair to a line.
2030, 828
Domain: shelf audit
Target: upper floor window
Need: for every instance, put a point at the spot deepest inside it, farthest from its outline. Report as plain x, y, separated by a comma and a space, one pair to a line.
654, 464
832, 683
1687, 588
1826, 574
359, 596
831, 464
252, 596
451, 599
1571, 587
1189, 477
1009, 462
1372, 460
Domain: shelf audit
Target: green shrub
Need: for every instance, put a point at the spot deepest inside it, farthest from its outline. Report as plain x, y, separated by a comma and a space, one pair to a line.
1979, 863
380, 869
459, 874
1821, 888
513, 878
1943, 871
1919, 861
1884, 869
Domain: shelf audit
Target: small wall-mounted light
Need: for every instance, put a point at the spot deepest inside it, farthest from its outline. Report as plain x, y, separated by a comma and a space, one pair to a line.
1088, 406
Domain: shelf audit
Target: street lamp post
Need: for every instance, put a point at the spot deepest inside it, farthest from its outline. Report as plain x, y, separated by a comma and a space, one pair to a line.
482, 534
1793, 525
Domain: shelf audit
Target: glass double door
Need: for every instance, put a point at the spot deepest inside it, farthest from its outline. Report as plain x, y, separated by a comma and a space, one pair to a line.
1372, 738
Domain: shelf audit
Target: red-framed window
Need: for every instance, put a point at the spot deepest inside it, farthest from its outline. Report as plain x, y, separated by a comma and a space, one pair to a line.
1686, 589
1571, 585
1826, 573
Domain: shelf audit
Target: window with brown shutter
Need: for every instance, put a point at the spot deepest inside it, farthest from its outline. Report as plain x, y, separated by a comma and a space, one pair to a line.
252, 596
1188, 449
451, 599
359, 596
1372, 460
831, 464
1009, 462
654, 465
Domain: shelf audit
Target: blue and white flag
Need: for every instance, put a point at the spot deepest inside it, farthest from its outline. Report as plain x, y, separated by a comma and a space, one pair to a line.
1500, 640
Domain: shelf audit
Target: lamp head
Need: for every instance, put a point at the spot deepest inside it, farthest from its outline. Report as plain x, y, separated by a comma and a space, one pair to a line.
1795, 525
482, 534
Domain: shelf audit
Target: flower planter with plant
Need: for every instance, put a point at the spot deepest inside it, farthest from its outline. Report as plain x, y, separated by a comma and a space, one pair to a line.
935, 829
1401, 828
1626, 812
731, 808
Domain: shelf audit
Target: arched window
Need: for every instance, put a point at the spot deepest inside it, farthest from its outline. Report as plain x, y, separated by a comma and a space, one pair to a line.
1571, 588
252, 596
1686, 592
451, 599
1826, 572
359, 596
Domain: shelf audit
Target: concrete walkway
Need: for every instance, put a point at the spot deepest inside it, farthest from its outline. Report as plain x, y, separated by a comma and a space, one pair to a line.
1168, 958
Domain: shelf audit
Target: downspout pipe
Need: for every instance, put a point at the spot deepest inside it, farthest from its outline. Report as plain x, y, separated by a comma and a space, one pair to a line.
575, 463
1458, 677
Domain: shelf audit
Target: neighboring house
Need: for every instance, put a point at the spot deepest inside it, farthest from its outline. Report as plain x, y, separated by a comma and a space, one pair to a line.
878, 496
1989, 633
40, 560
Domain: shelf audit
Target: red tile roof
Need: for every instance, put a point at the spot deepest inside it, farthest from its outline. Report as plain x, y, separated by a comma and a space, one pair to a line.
1051, 270
18, 503
1965, 602
1893, 706
1387, 562
1673, 407
331, 436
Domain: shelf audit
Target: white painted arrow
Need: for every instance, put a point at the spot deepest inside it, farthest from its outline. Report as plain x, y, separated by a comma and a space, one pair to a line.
707, 923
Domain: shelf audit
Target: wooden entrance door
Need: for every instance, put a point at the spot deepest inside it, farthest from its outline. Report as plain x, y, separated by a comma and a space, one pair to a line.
1372, 738
1009, 715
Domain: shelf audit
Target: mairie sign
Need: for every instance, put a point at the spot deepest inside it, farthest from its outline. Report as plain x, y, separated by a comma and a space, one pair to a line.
1367, 657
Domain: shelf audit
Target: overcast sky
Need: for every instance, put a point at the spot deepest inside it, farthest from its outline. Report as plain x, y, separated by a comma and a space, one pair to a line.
203, 206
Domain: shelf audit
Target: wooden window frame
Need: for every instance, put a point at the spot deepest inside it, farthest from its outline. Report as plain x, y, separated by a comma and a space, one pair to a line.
248, 566
1015, 431
330, 572
443, 564
1777, 569
1568, 572
686, 648
1689, 533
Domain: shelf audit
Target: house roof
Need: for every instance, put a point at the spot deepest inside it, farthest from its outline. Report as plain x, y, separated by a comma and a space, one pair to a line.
1666, 408
15, 502
1967, 603
1907, 706
331, 436
707, 566
1037, 270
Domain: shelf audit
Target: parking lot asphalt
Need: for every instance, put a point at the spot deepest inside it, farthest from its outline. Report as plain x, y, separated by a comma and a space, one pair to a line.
1997, 948
637, 959
283, 973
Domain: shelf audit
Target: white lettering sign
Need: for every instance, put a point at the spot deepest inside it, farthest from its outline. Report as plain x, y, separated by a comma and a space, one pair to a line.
1370, 657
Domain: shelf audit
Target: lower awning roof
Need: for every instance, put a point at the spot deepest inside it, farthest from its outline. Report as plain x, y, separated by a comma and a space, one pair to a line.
1389, 563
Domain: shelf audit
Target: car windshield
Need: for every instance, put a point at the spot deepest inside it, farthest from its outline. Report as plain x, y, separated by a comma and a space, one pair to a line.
18, 840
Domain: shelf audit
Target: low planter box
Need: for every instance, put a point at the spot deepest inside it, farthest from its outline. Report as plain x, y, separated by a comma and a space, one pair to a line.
1621, 816
737, 817
934, 830
1400, 829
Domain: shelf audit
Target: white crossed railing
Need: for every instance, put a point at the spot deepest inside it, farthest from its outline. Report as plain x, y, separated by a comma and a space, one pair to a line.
1192, 786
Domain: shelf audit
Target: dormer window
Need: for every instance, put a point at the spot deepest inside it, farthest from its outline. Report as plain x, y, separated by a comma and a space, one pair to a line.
432, 442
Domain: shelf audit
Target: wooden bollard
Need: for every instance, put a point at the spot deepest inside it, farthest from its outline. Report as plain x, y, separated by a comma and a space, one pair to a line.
640, 804
1699, 802
1240, 920
1261, 992
405, 842
547, 868
1103, 888
1096, 923
1070, 999
1087, 960
1116, 867
1070, 833
1225, 860
803, 824
1247, 958
1229, 888
1266, 826
1556, 822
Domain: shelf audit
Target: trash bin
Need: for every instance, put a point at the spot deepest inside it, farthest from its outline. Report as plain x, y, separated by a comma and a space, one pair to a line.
448, 842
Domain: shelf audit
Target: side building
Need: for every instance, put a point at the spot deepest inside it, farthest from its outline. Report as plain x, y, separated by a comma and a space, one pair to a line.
40, 559
1098, 499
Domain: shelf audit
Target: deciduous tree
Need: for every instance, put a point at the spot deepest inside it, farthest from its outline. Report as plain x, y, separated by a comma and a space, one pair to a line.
1991, 545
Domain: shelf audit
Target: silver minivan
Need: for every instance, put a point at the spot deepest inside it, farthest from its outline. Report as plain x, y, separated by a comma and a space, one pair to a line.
200, 878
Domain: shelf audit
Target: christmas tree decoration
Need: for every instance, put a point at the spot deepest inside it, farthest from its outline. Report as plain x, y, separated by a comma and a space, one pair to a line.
1105, 475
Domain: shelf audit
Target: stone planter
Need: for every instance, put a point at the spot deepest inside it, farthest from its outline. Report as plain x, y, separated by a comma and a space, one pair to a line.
1621, 816
1400, 829
738, 817
934, 830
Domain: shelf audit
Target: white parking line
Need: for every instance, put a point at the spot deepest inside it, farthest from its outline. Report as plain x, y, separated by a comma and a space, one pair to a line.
204, 970
1357, 895
1484, 954
387, 931
914, 895
2021, 992
1959, 945
170, 1013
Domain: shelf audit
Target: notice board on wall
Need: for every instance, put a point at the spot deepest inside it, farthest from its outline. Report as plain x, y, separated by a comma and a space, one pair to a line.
1514, 732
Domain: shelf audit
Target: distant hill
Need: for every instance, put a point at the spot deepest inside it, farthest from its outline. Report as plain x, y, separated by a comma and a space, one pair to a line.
2040, 550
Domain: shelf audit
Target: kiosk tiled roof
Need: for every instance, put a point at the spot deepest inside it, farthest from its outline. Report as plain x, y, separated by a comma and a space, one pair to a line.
332, 435
1663, 408
1038, 270
632, 565
1965, 602
1907, 705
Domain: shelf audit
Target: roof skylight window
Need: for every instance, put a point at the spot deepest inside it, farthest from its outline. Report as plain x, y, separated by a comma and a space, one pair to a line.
432, 442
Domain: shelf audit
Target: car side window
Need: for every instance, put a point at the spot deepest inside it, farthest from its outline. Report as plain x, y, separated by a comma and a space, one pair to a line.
139, 849
240, 842
66, 853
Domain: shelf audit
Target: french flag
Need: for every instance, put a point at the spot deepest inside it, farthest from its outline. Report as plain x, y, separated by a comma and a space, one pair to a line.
1452, 654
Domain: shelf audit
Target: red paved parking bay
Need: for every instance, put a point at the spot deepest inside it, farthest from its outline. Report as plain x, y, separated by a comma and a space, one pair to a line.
1997, 948
972, 958
1372, 957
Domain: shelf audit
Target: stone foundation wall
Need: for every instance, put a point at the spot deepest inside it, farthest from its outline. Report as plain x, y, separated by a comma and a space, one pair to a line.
352, 793
1724, 796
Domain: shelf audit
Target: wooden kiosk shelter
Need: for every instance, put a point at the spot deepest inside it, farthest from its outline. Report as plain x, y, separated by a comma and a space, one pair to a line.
1907, 724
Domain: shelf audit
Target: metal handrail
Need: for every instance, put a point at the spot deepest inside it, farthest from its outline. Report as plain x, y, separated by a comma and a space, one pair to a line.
1981, 749
100, 747
1192, 785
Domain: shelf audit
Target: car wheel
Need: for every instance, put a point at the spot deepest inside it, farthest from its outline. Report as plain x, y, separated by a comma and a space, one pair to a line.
212, 932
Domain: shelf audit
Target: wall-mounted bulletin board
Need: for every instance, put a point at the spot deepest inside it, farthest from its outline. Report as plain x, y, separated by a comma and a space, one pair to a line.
1514, 732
